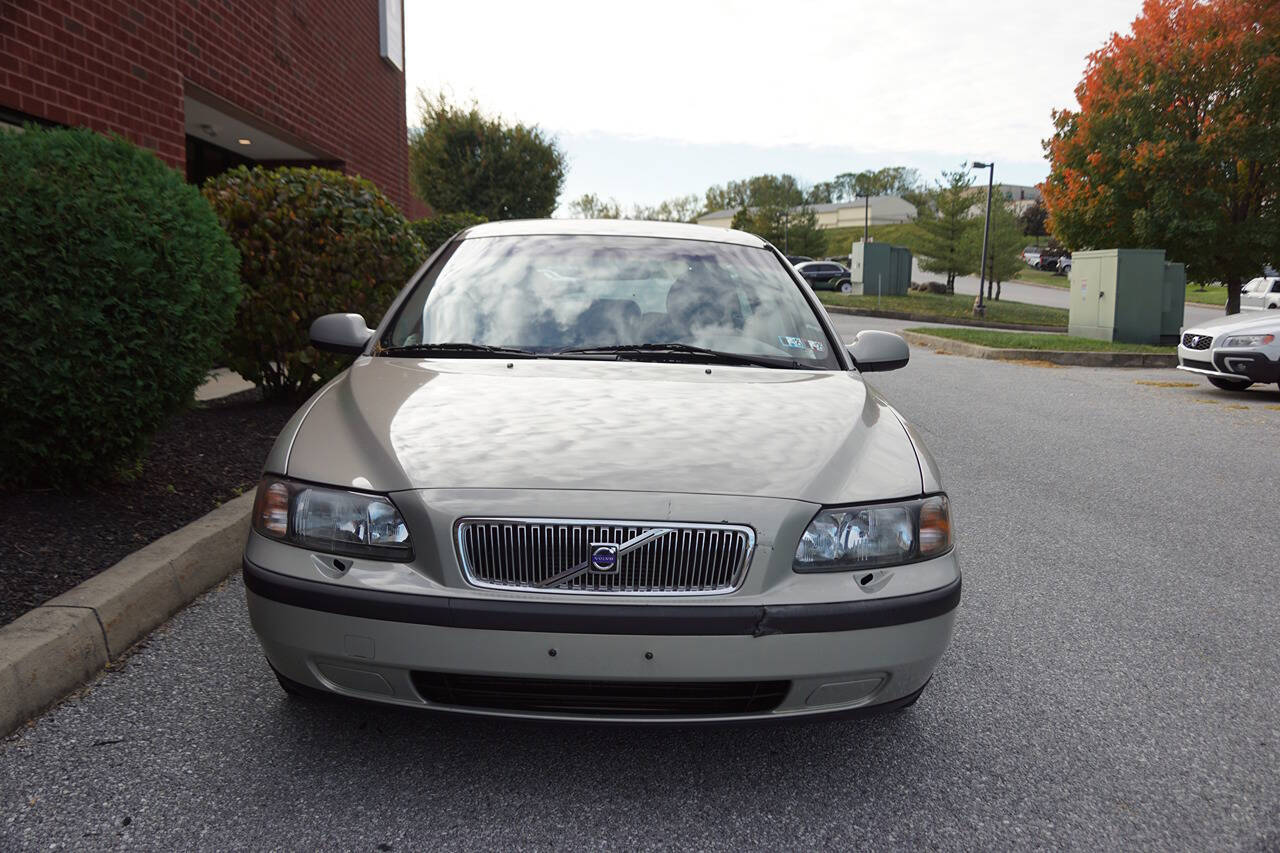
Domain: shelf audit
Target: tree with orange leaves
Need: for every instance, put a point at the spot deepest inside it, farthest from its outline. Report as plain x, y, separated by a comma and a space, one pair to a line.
1176, 144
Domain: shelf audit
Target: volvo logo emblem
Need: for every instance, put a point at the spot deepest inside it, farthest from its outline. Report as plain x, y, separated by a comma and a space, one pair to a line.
604, 556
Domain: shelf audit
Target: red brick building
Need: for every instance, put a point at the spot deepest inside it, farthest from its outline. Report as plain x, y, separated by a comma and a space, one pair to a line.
208, 84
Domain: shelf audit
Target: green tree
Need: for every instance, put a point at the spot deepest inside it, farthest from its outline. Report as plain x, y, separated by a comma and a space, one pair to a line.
1176, 144
1004, 246
463, 160
591, 206
684, 208
794, 230
943, 228
759, 191
891, 180
1035, 220
823, 192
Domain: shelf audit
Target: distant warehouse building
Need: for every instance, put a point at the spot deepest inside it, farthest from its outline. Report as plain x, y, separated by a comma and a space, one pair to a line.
1017, 197
878, 210
211, 84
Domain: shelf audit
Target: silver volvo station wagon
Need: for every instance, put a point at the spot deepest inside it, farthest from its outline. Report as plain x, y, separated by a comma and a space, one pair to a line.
591, 470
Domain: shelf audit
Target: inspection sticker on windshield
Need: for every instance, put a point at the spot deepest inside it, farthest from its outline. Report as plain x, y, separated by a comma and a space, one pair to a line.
816, 346
792, 343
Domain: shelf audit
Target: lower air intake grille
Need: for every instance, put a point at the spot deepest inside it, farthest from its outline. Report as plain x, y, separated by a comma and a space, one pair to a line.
1197, 364
601, 698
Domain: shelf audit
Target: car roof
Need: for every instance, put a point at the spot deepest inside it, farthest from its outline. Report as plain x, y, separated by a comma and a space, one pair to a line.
612, 228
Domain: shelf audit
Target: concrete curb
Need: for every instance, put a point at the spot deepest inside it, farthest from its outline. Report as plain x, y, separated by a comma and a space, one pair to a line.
51, 650
1074, 359
926, 318
1028, 283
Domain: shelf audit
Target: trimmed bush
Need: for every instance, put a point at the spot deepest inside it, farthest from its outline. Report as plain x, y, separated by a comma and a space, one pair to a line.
312, 242
435, 231
117, 285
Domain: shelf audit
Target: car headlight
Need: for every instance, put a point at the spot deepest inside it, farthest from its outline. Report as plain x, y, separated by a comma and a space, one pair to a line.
867, 537
335, 521
1248, 340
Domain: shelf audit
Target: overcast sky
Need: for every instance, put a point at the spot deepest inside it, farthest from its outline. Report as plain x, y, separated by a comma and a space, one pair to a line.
657, 99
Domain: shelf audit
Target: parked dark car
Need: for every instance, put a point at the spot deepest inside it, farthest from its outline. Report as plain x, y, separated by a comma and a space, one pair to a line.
1049, 258
826, 275
798, 259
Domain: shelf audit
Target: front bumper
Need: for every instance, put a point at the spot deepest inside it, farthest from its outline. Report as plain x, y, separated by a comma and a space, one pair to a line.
385, 646
1230, 364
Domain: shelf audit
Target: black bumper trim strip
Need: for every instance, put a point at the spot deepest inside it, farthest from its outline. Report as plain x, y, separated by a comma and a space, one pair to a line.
1257, 367
641, 619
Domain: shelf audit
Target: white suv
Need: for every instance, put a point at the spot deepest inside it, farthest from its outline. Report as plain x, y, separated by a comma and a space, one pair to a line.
1260, 294
1233, 352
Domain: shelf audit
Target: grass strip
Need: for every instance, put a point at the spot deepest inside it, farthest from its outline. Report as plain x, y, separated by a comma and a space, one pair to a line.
1044, 341
951, 307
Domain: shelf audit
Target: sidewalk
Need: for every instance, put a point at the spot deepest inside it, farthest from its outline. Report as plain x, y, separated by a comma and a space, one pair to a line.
222, 382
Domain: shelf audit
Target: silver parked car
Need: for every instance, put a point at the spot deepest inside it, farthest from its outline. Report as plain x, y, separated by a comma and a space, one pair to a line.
604, 470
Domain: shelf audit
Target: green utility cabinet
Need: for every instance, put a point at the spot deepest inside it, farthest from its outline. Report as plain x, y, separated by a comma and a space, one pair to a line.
901, 259
1129, 295
1175, 301
882, 269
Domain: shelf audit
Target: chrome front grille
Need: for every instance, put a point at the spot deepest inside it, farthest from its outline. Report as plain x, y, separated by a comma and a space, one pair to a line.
1191, 341
604, 557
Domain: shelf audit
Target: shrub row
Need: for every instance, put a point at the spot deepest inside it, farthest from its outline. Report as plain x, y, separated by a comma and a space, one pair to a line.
124, 285
436, 231
118, 286
313, 241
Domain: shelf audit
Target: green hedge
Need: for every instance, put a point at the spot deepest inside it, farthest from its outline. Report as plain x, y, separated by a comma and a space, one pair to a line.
435, 231
313, 242
117, 285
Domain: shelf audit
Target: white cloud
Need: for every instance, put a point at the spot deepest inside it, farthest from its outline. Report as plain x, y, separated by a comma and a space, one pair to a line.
912, 81
914, 76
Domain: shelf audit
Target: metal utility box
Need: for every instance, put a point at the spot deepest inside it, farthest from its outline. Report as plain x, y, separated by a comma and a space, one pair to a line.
1128, 295
878, 267
901, 259
1175, 300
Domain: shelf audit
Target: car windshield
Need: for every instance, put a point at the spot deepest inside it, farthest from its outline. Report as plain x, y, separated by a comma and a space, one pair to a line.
554, 293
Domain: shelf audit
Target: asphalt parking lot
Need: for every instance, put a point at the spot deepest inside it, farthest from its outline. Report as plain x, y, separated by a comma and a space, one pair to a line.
1113, 680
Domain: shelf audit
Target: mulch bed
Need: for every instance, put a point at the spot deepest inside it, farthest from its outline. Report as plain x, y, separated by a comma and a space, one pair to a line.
57, 538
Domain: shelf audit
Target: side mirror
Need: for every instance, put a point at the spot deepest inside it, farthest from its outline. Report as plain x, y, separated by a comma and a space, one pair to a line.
876, 351
342, 333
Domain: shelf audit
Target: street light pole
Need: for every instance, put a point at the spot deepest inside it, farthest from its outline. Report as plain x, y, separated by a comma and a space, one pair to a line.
866, 214
979, 309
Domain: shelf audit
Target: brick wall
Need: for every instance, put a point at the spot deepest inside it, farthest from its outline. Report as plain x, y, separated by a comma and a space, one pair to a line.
308, 67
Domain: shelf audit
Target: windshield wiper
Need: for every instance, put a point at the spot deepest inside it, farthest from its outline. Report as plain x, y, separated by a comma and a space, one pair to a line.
453, 349
684, 351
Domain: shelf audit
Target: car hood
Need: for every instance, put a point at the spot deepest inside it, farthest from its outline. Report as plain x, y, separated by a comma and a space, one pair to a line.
1235, 323
390, 424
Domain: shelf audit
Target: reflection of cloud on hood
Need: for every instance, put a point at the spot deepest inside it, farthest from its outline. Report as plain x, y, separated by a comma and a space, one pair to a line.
644, 427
